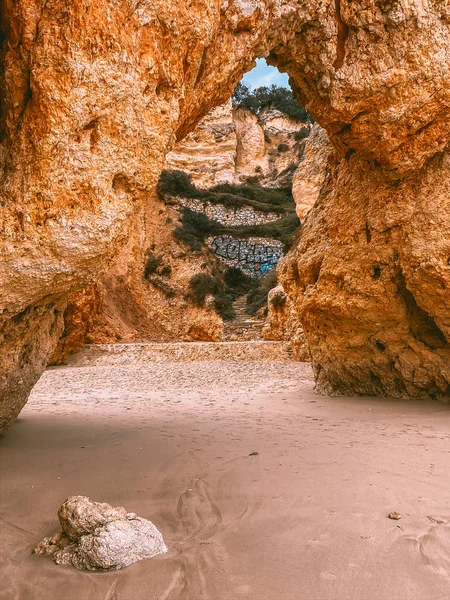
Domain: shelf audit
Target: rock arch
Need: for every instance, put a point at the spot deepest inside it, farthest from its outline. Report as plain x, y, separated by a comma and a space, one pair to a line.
94, 95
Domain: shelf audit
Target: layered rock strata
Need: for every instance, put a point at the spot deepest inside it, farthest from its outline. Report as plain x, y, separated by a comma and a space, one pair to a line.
231, 145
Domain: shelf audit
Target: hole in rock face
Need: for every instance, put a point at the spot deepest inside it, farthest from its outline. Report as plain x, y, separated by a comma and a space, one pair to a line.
380, 346
162, 88
93, 127
349, 153
376, 272
422, 325
314, 270
120, 183
368, 234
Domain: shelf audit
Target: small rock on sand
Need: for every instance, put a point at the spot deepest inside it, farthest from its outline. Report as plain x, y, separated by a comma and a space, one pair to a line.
98, 537
395, 515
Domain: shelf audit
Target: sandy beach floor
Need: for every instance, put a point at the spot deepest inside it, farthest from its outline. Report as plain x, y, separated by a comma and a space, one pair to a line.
304, 519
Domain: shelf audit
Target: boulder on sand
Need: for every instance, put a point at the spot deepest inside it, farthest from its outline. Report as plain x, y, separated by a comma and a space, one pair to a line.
98, 537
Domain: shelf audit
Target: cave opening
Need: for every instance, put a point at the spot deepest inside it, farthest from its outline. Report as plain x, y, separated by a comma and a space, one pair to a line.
232, 181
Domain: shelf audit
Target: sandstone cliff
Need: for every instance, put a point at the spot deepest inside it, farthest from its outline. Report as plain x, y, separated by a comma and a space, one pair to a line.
282, 323
231, 145
95, 94
310, 177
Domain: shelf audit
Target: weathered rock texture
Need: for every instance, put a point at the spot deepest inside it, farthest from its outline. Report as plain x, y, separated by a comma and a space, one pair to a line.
83, 307
282, 323
95, 536
153, 308
132, 308
267, 147
232, 144
370, 277
94, 95
208, 153
310, 176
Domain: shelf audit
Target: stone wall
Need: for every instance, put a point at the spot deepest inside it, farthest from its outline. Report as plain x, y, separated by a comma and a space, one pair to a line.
255, 256
229, 216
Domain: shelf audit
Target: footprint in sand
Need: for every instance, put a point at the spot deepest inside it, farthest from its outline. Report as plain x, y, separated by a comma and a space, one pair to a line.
197, 513
431, 545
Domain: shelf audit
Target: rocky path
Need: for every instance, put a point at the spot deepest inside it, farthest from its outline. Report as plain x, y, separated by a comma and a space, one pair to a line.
243, 327
178, 352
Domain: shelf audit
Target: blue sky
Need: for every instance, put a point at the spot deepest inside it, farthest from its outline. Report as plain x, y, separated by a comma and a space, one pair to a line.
263, 74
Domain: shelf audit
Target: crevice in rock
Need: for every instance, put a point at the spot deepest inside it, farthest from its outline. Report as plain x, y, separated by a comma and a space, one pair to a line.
343, 31
121, 183
422, 325
202, 67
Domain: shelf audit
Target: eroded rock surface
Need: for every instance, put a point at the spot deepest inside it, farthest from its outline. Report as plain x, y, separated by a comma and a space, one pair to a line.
95, 94
95, 536
93, 97
309, 178
282, 324
370, 281
370, 277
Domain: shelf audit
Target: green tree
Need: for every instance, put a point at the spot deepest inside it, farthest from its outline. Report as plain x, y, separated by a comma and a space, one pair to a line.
270, 97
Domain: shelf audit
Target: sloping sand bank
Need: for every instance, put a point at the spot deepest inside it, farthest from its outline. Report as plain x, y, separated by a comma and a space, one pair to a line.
304, 519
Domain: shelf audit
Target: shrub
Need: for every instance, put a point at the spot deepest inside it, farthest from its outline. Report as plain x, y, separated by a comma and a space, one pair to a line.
237, 282
166, 271
283, 230
301, 134
202, 285
252, 194
151, 265
176, 183
194, 228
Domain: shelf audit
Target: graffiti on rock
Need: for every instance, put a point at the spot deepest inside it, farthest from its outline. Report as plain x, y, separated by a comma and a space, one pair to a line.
255, 256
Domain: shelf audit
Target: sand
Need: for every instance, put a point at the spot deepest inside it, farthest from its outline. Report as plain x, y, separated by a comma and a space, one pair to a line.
304, 519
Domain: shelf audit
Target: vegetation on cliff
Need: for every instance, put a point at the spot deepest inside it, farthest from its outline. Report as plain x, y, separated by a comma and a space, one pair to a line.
270, 97
196, 226
179, 184
224, 287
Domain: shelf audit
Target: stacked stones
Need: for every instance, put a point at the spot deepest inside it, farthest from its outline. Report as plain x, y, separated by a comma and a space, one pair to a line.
229, 216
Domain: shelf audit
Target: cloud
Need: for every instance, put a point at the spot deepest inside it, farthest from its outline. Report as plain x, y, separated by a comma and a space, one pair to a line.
265, 75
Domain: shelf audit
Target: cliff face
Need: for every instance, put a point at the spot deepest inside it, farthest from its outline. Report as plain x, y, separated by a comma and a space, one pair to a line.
310, 177
94, 95
231, 145
220, 150
370, 277
208, 153
144, 293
